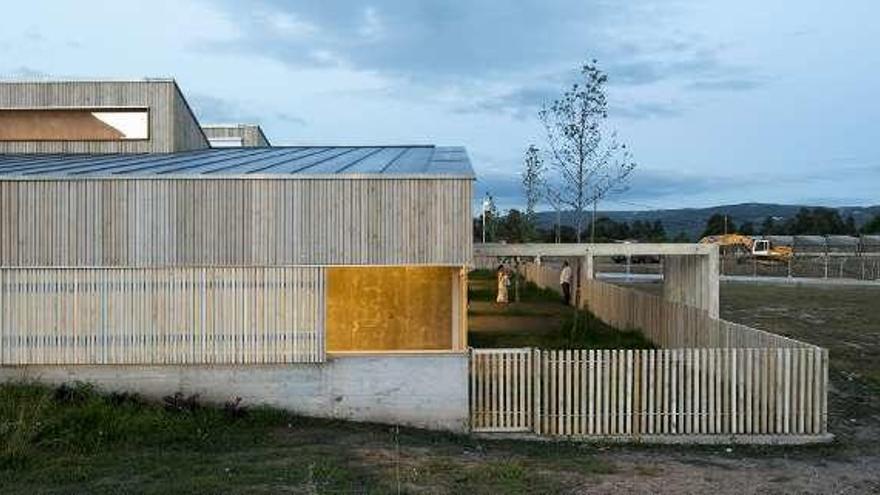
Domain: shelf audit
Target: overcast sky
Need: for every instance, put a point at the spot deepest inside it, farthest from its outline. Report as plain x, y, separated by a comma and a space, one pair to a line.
721, 102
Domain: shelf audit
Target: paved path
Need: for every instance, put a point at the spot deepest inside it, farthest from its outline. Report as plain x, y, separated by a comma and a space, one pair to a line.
653, 277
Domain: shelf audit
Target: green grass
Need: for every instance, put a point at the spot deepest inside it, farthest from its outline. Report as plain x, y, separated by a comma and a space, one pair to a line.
590, 333
539, 320
76, 440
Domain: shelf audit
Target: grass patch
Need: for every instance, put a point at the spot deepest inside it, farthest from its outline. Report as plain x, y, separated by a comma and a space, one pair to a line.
77, 440
589, 333
539, 320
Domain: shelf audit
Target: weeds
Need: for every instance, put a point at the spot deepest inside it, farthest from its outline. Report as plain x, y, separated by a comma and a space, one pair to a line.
178, 402
234, 410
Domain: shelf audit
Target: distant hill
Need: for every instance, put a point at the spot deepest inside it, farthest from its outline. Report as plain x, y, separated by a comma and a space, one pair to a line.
691, 221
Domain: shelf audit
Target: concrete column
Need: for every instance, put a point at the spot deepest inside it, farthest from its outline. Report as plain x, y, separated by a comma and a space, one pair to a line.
693, 280
584, 273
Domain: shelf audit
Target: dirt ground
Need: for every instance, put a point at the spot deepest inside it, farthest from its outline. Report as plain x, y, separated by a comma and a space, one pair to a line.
844, 320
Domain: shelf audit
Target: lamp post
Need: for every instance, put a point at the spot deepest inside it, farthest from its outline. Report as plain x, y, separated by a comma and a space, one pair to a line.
487, 203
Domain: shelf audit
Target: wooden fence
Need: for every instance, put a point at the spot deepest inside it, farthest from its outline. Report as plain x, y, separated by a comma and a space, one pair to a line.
665, 323
501, 389
161, 316
629, 393
673, 325
712, 377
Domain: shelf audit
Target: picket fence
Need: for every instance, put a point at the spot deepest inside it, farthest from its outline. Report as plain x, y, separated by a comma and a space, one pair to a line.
710, 377
710, 391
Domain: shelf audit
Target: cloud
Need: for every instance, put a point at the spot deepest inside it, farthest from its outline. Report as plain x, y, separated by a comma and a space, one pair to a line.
505, 188
696, 68
645, 110
210, 109
655, 185
290, 118
431, 39
520, 104
733, 84
449, 41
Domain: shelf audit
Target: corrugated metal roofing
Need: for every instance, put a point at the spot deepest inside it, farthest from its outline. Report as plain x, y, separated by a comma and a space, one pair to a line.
841, 240
302, 161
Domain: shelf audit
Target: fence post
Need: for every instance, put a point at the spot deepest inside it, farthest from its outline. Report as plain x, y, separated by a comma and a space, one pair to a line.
536, 392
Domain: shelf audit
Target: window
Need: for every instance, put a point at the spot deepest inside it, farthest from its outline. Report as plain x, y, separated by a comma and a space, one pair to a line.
761, 246
226, 142
76, 124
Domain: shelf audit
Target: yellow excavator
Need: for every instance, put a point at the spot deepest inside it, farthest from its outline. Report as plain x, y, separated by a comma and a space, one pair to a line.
760, 249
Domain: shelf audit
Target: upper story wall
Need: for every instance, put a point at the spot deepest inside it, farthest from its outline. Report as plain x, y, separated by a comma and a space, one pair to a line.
235, 222
249, 135
172, 126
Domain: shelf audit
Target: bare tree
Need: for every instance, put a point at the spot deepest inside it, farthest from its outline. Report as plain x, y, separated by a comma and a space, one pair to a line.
552, 195
588, 164
532, 181
610, 173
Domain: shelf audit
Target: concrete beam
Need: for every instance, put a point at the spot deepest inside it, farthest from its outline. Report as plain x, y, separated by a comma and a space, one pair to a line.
577, 250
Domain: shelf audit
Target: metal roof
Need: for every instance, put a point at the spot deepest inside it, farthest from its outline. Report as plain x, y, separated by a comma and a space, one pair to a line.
299, 161
841, 240
814, 240
780, 240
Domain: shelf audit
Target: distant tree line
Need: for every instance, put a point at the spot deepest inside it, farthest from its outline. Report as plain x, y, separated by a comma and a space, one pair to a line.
808, 221
516, 227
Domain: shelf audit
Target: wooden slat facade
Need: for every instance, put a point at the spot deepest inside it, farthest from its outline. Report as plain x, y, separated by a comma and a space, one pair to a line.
172, 124
234, 222
162, 316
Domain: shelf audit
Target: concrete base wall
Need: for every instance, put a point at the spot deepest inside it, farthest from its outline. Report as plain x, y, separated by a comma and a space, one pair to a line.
425, 391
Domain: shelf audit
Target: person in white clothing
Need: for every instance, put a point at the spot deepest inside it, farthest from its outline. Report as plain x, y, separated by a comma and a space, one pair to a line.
565, 282
503, 279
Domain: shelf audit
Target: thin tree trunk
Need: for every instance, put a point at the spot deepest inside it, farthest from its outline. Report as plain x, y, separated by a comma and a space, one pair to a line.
558, 225
593, 224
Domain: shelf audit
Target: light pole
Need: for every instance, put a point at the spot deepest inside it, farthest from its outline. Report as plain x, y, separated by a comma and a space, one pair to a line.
487, 203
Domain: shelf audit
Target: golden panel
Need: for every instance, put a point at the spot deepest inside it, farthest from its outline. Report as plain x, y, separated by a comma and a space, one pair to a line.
389, 308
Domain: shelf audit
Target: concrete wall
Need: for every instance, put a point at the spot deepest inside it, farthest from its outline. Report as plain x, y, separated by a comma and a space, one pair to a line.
421, 390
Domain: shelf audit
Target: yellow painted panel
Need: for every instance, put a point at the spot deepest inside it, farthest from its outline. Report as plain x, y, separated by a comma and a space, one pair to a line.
389, 308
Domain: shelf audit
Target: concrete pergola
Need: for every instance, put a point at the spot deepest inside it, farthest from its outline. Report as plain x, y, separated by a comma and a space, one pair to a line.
690, 271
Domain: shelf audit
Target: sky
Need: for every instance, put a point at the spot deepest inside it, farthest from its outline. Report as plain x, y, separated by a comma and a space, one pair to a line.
721, 102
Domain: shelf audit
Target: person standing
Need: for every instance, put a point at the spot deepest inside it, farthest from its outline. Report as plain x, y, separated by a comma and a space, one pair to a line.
503, 281
565, 282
